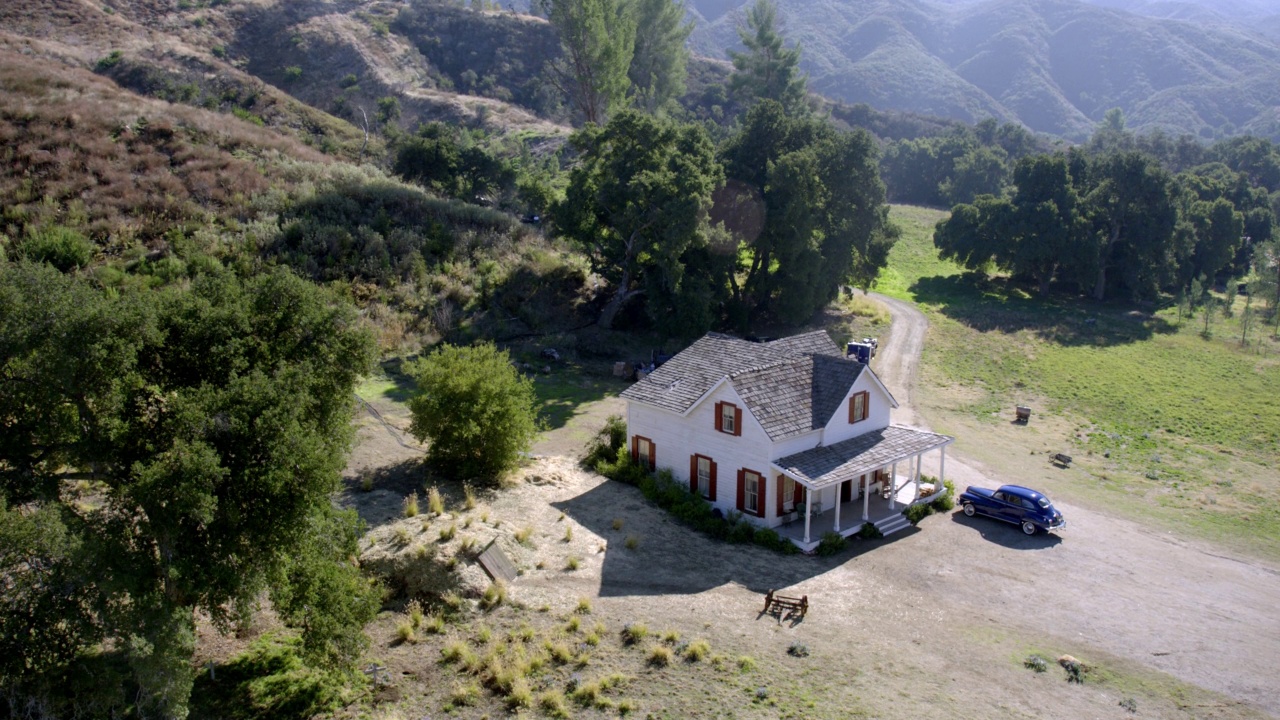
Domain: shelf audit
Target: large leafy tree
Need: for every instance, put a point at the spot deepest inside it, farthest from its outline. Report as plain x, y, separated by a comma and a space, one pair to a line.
768, 70
658, 65
636, 204
820, 206
167, 452
598, 38
474, 409
1131, 202
1048, 231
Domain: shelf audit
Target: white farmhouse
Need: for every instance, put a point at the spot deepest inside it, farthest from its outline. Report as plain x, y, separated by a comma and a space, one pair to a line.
790, 433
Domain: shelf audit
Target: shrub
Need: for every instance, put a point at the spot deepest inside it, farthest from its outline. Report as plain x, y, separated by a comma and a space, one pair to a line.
435, 504
584, 606
494, 595
769, 538
520, 696
617, 523
475, 409
633, 633
870, 532
573, 625
523, 534
632, 542
660, 656
604, 447
918, 512
568, 533
349, 80
292, 73
464, 694
456, 652
832, 542
622, 469
411, 505
572, 563
404, 632
947, 502
469, 497
798, 649
1035, 662
746, 663
553, 704
742, 532
414, 610
433, 624
697, 650
61, 247
270, 679
110, 61
447, 534
671, 637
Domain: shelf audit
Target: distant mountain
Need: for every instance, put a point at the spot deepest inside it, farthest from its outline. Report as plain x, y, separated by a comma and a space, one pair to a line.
1199, 67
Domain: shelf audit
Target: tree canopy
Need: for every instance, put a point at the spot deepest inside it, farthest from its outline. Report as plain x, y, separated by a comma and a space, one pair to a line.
474, 409
768, 70
168, 451
637, 204
658, 65
598, 37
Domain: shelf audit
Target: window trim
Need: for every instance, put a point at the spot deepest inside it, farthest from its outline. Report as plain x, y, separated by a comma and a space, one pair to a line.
737, 418
635, 450
760, 494
711, 476
853, 405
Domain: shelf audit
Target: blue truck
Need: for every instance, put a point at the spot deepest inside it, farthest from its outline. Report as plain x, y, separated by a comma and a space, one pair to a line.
1019, 505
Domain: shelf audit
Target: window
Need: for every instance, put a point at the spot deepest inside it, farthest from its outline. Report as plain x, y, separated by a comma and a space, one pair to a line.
858, 407
751, 492
788, 494
702, 476
728, 418
644, 452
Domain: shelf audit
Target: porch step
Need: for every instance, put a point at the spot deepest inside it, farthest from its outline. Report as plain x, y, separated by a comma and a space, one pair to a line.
892, 524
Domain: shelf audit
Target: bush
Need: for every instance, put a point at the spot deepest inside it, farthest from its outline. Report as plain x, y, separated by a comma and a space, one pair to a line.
870, 532
604, 447
633, 633
947, 502
475, 409
660, 656
831, 543
697, 650
269, 680
61, 247
742, 532
1035, 662
622, 469
798, 649
292, 73
918, 512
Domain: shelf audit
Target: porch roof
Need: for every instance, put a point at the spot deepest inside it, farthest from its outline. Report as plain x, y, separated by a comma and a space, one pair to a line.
848, 459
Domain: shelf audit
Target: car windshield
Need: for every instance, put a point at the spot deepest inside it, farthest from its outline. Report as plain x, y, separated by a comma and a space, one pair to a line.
1043, 501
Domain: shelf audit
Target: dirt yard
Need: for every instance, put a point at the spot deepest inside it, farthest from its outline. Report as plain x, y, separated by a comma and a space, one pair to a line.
932, 622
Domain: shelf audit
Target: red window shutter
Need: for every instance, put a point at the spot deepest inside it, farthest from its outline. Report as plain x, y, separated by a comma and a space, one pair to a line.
693, 473
742, 490
719, 417
635, 448
762, 494
851, 420
737, 421
711, 490
781, 486
653, 455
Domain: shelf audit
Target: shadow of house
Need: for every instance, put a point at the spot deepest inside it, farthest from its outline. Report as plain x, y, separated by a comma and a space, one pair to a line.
999, 305
670, 558
1005, 534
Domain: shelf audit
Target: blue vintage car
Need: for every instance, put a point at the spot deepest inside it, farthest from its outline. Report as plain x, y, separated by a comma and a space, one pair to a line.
1013, 503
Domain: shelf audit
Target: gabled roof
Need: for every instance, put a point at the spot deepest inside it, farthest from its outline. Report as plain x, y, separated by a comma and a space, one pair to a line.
791, 386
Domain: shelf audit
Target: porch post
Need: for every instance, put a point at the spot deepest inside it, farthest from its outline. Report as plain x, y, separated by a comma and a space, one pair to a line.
919, 458
893, 486
808, 506
837, 526
942, 468
866, 498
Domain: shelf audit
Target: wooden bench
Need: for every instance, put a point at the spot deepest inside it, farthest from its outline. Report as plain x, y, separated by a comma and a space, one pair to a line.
779, 605
1062, 459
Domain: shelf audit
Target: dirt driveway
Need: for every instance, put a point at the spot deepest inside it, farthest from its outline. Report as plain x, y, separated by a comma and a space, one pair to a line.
1178, 606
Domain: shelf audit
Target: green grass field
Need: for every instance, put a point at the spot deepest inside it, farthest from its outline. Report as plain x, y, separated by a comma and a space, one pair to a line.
1169, 424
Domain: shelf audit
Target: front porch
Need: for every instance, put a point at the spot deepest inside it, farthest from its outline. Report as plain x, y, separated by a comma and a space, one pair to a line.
879, 510
833, 478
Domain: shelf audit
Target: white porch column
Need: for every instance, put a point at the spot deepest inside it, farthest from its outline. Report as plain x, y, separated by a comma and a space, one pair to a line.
893, 486
942, 468
837, 527
919, 458
808, 507
866, 498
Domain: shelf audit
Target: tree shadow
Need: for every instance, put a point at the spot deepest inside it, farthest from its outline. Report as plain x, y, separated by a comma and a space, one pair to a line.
1002, 305
567, 388
1006, 534
653, 553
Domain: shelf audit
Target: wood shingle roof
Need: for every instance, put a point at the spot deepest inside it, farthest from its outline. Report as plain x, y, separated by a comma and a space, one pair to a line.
848, 459
791, 386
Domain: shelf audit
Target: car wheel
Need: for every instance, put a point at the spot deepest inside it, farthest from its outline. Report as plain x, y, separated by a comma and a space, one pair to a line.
969, 509
1029, 528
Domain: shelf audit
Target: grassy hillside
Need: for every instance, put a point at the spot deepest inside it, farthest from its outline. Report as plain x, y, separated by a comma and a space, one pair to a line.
1163, 422
1056, 66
